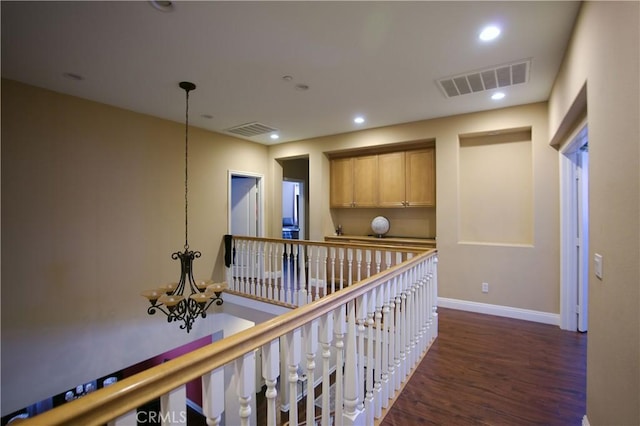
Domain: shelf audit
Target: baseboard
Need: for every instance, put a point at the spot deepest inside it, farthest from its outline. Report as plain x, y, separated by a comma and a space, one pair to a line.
501, 311
585, 421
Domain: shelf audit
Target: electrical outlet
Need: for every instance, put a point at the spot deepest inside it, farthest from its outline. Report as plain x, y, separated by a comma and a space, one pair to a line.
485, 287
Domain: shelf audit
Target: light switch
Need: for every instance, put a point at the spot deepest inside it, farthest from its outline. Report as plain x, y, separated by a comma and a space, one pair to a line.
597, 265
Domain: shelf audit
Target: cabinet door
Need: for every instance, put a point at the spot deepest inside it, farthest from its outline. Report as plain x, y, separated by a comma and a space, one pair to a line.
341, 191
391, 174
421, 178
365, 181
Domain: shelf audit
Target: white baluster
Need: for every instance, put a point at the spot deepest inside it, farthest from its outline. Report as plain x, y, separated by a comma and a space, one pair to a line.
270, 373
303, 296
212, 397
404, 327
377, 391
399, 346
350, 266
359, 264
310, 334
332, 253
362, 319
370, 407
393, 320
246, 384
326, 337
281, 260
317, 262
351, 415
342, 256
340, 328
384, 377
368, 262
173, 407
270, 271
378, 261
293, 359
287, 284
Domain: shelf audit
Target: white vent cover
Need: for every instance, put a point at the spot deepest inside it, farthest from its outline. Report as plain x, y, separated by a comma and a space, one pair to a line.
487, 79
251, 129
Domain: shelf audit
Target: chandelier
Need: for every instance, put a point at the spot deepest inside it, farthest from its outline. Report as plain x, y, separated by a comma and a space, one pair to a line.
170, 299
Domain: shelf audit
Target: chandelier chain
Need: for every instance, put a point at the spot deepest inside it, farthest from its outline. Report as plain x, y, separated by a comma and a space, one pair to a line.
186, 176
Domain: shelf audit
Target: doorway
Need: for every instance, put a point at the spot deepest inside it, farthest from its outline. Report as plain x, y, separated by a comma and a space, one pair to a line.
574, 263
245, 204
292, 209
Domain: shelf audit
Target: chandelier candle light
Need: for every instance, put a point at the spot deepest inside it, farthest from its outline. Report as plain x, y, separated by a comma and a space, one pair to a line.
170, 298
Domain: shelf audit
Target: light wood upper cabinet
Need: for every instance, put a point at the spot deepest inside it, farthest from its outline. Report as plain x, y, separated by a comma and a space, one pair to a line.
354, 181
391, 174
365, 181
394, 179
421, 178
341, 182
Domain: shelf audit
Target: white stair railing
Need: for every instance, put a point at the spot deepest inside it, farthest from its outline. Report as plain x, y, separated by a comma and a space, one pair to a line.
356, 347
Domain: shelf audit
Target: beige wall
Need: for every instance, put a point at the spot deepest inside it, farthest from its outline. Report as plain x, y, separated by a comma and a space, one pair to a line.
604, 55
520, 276
92, 208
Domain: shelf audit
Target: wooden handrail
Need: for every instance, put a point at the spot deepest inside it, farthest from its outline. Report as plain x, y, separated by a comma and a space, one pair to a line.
103, 405
362, 245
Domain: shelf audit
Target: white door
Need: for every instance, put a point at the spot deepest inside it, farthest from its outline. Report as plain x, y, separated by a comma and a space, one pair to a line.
244, 206
582, 186
574, 261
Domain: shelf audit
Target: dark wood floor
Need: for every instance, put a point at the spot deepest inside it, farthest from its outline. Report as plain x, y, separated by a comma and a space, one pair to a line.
488, 370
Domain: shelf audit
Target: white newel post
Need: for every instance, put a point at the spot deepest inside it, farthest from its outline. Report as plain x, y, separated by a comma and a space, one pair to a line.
246, 384
213, 396
293, 359
310, 334
270, 373
434, 297
173, 407
326, 337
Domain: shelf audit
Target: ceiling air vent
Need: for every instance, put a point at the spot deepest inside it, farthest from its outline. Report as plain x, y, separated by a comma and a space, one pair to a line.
251, 129
487, 79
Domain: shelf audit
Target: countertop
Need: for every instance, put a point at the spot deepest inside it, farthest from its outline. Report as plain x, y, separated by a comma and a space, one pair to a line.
390, 240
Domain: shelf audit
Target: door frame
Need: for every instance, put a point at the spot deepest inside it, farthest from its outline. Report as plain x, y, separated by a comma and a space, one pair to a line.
573, 232
260, 202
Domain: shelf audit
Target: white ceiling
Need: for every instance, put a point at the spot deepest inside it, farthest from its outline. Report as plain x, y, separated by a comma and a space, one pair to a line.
378, 59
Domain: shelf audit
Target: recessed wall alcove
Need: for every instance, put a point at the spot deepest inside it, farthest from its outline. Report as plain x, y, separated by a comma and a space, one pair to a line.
496, 188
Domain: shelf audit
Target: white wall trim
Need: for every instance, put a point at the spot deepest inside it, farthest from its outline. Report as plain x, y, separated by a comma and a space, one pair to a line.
499, 310
585, 421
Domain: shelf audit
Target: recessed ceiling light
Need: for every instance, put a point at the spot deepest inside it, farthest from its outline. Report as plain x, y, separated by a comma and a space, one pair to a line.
358, 120
489, 33
302, 87
275, 136
162, 6
497, 96
207, 116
